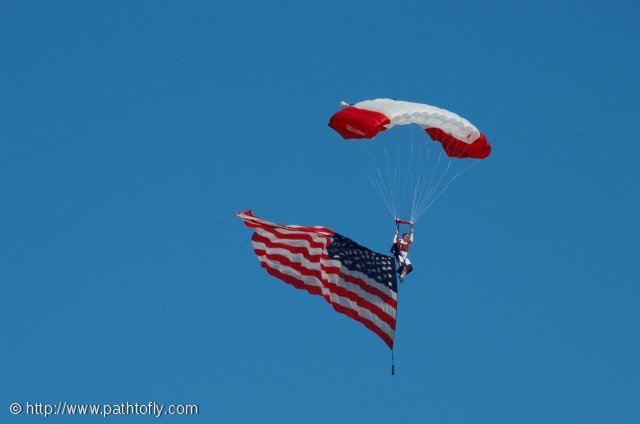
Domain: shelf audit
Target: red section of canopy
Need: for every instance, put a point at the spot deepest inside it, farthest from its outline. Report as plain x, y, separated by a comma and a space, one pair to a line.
352, 122
479, 149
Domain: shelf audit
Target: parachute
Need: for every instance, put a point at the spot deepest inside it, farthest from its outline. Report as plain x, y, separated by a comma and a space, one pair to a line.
434, 171
459, 138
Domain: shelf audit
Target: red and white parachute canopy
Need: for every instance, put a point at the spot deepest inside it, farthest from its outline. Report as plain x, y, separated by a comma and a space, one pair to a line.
459, 138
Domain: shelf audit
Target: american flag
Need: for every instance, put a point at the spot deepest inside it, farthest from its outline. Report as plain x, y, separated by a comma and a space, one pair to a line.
356, 281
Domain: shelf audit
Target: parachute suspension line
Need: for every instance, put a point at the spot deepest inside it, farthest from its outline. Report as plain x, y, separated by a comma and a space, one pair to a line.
424, 189
383, 185
406, 160
378, 185
408, 182
435, 193
458, 173
429, 190
391, 184
412, 169
400, 182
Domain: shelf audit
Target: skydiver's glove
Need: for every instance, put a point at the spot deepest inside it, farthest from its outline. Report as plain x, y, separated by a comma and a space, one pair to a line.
397, 231
411, 229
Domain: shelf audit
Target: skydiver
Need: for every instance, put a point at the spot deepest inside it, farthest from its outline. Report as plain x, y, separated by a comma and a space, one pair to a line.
402, 243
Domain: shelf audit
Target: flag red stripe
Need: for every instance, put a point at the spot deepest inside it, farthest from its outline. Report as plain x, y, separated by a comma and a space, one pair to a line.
388, 339
331, 287
351, 313
298, 256
304, 251
329, 269
253, 222
364, 286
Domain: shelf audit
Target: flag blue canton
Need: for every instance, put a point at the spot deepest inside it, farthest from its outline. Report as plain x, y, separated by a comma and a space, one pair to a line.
378, 267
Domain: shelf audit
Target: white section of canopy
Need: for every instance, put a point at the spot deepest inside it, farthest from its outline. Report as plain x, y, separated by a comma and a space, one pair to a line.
402, 113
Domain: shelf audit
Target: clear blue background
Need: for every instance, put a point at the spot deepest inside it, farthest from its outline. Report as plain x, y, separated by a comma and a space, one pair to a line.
131, 133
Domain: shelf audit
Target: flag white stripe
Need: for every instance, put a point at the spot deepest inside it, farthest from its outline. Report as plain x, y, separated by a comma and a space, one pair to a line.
324, 262
331, 277
311, 281
300, 256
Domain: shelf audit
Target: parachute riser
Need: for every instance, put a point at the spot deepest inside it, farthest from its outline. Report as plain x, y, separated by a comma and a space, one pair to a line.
400, 221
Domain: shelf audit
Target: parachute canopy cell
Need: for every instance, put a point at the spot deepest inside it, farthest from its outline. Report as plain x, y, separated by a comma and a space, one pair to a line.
459, 138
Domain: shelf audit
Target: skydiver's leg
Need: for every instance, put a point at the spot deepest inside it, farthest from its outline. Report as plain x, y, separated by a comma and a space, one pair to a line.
400, 264
407, 268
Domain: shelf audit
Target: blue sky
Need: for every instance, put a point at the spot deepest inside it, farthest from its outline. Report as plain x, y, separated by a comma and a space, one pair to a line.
131, 133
